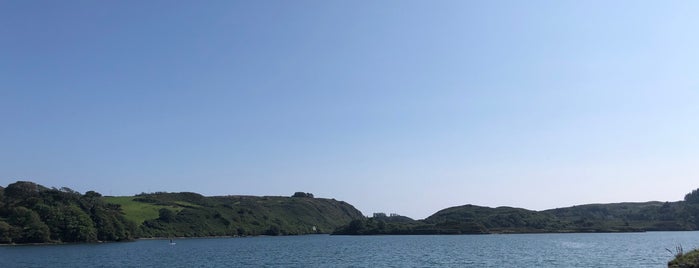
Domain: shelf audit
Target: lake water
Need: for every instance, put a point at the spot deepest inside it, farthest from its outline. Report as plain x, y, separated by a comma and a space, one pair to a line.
513, 250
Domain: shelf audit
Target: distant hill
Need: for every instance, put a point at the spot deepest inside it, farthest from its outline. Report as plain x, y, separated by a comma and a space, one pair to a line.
192, 215
647, 216
32, 213
471, 219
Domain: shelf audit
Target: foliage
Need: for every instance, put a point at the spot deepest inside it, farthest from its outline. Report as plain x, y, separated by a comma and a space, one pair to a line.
692, 197
393, 225
31, 213
6, 232
163, 214
302, 194
23, 190
470, 219
138, 211
31, 228
685, 260
679, 251
166, 215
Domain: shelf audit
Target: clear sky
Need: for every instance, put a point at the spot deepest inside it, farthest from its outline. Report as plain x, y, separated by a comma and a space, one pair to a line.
393, 106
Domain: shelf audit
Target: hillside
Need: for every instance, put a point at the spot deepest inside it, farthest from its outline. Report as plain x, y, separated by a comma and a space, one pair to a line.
191, 214
617, 217
647, 216
32, 213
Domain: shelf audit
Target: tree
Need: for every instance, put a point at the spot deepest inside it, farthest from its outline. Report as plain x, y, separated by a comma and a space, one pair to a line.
92, 194
2, 196
77, 226
381, 224
70, 191
109, 226
273, 230
21, 190
302, 194
692, 197
33, 229
31, 213
355, 226
166, 215
6, 233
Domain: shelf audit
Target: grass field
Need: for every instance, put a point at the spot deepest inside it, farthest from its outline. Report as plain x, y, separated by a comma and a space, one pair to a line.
137, 211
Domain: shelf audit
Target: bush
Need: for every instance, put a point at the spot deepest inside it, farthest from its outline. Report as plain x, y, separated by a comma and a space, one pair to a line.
302, 194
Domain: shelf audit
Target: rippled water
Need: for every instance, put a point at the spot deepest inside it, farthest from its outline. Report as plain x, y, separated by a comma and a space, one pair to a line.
521, 250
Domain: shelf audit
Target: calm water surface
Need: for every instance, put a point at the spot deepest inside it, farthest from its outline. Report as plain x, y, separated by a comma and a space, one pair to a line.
523, 250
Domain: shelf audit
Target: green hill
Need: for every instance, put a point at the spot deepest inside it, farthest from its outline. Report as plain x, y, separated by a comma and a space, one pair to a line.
647, 216
617, 217
191, 214
32, 213
500, 219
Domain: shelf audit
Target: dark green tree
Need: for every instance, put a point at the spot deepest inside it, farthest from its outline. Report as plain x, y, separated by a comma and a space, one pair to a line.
381, 224
273, 230
33, 229
166, 215
77, 226
6, 232
302, 194
21, 191
692, 197
355, 226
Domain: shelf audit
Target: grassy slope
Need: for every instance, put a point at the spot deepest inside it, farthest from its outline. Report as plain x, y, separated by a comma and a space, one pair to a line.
196, 215
135, 211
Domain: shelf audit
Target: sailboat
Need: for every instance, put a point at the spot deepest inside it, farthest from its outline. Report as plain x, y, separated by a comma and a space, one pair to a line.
172, 243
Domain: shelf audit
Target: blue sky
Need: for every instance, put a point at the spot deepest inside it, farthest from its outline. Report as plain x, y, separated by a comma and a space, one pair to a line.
393, 106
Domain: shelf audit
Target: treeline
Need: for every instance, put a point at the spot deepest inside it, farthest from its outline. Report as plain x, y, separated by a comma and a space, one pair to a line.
470, 219
31, 213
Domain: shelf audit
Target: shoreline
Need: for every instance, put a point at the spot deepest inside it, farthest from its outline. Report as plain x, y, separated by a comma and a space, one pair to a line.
221, 237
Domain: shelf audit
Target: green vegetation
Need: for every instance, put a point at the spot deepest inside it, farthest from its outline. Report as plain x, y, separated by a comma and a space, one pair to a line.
684, 260
692, 197
470, 219
31, 213
302, 194
193, 215
136, 211
648, 216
